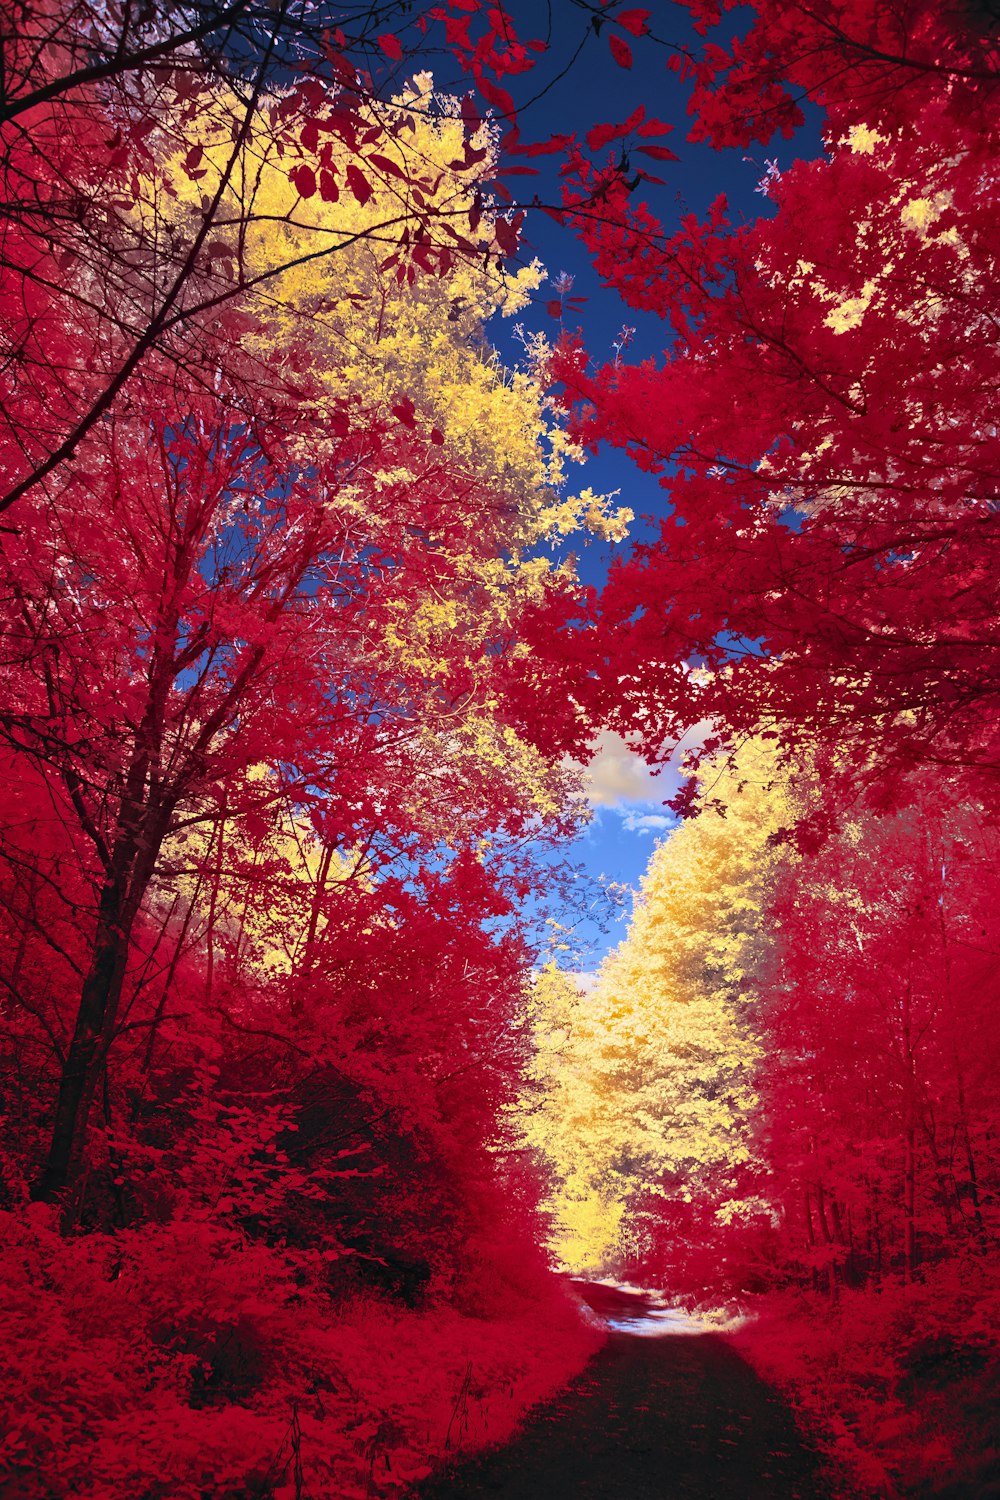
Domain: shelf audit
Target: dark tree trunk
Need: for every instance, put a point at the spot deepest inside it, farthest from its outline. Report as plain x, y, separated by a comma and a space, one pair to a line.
130, 871
99, 999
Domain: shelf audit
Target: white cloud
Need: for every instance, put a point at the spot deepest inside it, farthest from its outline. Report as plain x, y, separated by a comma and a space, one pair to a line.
646, 822
618, 779
617, 775
584, 979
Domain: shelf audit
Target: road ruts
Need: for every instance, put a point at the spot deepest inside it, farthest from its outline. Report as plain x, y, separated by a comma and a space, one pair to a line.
670, 1418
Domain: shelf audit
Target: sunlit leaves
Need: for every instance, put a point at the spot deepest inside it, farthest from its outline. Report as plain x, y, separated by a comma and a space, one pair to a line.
649, 1076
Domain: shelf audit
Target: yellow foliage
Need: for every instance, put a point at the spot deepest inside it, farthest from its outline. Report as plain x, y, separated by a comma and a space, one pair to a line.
862, 140
315, 280
646, 1081
850, 311
262, 900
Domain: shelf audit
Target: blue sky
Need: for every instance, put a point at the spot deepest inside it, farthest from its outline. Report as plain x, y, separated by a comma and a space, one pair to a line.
627, 802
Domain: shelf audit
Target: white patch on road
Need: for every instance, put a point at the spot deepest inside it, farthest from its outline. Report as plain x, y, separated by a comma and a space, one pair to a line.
652, 1315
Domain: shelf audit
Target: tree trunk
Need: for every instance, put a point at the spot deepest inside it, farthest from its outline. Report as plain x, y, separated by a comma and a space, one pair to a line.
810, 1239
130, 870
970, 1161
81, 1072
828, 1241
909, 1209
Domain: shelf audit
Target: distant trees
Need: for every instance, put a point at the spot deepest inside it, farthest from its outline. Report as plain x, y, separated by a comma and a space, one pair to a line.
882, 1039
648, 1101
784, 1072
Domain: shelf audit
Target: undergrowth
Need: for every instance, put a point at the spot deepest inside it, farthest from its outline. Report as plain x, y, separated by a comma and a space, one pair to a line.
900, 1386
180, 1362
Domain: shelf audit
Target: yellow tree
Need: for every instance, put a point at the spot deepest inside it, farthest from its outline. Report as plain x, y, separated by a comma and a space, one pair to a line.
398, 341
647, 1081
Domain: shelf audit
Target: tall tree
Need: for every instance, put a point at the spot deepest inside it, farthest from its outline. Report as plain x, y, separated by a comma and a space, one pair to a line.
648, 1105
331, 584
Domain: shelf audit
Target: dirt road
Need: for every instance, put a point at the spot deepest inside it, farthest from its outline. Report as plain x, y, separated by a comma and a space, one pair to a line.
675, 1417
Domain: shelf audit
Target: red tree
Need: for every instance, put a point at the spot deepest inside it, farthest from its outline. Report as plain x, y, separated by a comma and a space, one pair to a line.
821, 419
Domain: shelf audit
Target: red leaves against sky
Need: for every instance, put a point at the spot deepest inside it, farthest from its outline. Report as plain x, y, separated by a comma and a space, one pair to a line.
850, 56
819, 426
634, 21
391, 46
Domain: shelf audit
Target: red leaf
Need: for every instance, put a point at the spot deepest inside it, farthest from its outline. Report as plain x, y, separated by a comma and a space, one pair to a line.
658, 153
508, 234
620, 51
600, 135
499, 98
404, 411
545, 148
634, 21
358, 184
456, 31
462, 164
554, 309
391, 46
386, 164
654, 127
303, 180
437, 436
328, 188
344, 67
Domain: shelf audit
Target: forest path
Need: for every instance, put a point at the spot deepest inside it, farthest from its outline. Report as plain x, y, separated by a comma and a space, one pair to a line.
674, 1417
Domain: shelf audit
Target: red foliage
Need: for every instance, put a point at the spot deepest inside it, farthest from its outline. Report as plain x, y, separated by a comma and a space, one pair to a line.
826, 571
825, 577
855, 58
